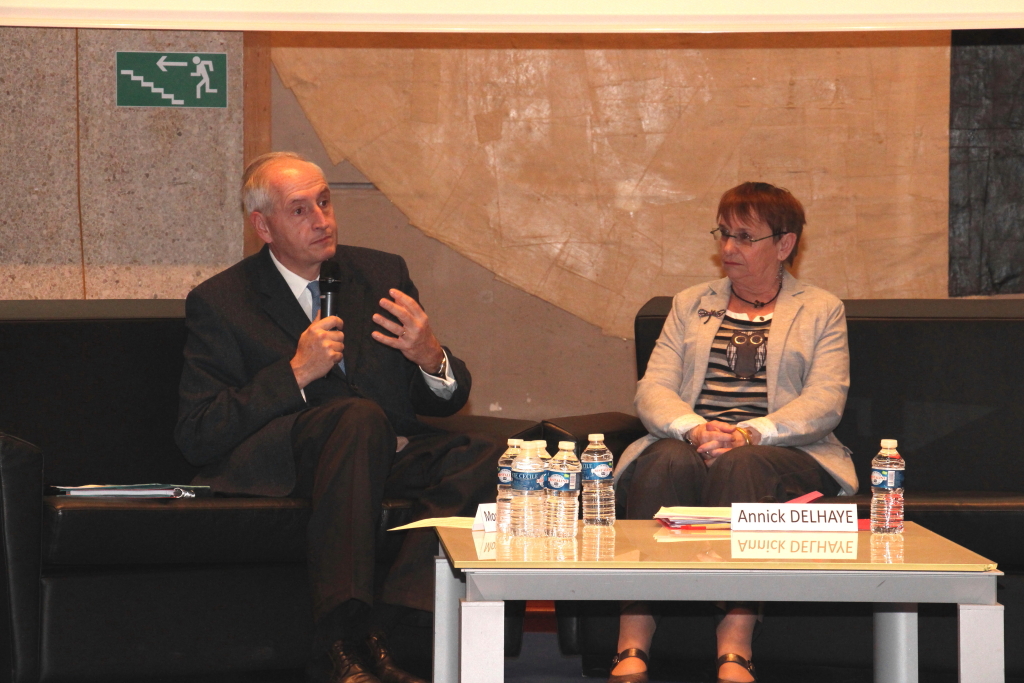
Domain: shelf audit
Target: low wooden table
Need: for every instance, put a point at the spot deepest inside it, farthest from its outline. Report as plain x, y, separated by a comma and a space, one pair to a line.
638, 560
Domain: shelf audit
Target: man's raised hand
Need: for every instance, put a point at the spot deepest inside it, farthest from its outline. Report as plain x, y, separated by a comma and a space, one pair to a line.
321, 347
413, 336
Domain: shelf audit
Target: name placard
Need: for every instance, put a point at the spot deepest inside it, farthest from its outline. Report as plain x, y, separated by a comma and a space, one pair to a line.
766, 545
486, 518
786, 517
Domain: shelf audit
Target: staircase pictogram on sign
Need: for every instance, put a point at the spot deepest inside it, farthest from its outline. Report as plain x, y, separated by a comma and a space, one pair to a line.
147, 84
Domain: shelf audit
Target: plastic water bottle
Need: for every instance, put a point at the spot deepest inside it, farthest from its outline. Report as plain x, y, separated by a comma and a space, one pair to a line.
887, 490
598, 493
562, 484
504, 497
527, 518
542, 449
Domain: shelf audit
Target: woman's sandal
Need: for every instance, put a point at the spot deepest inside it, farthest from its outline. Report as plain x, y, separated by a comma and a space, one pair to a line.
640, 676
735, 659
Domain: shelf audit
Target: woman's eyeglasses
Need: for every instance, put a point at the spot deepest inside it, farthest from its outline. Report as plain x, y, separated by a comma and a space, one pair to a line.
743, 239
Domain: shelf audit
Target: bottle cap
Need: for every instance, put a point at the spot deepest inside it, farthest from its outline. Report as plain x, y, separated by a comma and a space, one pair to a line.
515, 442
889, 443
596, 437
567, 445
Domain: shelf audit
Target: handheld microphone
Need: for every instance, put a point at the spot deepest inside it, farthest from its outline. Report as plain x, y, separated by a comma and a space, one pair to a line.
330, 286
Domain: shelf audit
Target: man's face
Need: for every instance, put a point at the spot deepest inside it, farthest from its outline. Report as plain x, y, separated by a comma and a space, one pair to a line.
300, 227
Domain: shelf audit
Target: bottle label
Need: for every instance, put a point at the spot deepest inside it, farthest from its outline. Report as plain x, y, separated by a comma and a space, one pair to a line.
887, 479
505, 476
527, 481
597, 471
563, 481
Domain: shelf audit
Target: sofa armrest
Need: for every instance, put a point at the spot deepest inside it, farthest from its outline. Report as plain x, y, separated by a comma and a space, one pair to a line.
21, 512
619, 430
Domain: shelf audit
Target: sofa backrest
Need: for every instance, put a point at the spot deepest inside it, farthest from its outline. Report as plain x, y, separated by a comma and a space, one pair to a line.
943, 376
94, 384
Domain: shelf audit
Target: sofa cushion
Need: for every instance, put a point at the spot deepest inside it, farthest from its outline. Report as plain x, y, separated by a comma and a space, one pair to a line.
109, 531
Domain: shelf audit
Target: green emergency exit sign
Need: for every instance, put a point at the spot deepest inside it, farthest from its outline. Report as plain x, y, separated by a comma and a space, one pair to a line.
172, 79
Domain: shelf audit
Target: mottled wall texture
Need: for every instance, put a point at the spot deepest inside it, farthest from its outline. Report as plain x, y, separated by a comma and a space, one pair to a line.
586, 170
103, 202
986, 163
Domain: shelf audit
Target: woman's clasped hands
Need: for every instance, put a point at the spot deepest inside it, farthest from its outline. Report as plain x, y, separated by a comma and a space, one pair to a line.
712, 439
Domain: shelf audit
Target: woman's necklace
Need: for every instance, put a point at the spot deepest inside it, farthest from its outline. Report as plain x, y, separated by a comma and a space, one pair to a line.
759, 304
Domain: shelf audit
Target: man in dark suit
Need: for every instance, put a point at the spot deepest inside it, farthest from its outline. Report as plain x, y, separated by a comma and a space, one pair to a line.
277, 400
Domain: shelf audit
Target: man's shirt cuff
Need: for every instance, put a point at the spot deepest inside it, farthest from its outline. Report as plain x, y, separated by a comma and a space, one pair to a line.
443, 387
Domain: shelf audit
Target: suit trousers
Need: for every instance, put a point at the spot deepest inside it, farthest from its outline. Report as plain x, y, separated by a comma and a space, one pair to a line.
670, 472
346, 465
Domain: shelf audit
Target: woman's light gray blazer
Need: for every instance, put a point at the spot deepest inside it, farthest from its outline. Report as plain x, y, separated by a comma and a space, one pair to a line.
807, 367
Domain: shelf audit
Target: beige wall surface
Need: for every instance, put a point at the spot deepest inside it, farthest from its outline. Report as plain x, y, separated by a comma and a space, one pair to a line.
586, 171
101, 201
529, 359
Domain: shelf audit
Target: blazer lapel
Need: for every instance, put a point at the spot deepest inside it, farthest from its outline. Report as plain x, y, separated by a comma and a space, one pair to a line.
717, 299
785, 312
278, 301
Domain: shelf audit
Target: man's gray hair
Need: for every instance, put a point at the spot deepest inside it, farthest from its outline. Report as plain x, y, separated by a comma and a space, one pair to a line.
256, 193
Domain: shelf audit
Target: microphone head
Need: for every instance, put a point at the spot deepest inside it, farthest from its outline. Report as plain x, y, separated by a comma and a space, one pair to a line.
330, 274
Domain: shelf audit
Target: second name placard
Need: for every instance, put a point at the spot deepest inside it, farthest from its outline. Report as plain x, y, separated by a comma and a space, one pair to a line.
785, 517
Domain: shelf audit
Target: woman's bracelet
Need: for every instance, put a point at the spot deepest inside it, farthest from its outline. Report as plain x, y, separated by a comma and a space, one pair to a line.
746, 435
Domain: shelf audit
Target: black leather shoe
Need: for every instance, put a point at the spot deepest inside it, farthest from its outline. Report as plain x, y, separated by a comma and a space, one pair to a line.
348, 665
384, 666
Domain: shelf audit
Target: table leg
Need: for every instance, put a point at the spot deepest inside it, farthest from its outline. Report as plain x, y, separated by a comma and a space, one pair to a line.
482, 642
981, 643
449, 588
896, 643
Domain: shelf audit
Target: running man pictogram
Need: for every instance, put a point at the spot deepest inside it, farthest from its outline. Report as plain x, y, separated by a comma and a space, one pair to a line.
204, 76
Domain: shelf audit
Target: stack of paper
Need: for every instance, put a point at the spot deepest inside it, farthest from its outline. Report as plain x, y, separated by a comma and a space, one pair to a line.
694, 517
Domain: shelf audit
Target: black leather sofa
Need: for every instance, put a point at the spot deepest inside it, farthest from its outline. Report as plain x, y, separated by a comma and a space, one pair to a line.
945, 378
100, 589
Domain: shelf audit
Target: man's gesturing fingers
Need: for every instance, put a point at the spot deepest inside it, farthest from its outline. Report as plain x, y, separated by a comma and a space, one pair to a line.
413, 336
320, 347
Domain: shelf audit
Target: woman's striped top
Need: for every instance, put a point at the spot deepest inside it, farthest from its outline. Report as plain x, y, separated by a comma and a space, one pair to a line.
735, 386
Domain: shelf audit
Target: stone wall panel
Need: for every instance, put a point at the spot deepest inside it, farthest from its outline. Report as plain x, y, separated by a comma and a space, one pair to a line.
40, 243
159, 188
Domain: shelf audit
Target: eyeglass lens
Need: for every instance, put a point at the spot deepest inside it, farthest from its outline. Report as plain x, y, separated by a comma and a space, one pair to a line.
742, 238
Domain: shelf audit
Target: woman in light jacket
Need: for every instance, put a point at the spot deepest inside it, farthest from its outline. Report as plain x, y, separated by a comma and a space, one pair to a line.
743, 389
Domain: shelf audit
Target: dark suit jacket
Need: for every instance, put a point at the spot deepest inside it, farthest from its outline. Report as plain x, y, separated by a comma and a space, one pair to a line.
238, 396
